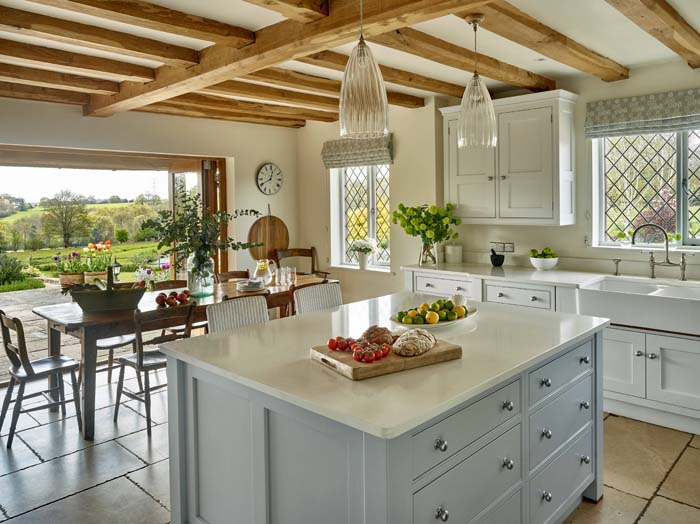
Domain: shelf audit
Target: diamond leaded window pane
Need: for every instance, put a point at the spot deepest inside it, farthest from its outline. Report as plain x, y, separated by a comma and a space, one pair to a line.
640, 184
693, 185
383, 214
356, 203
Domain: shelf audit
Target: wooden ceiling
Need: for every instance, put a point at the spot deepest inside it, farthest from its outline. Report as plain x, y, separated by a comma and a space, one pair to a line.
238, 76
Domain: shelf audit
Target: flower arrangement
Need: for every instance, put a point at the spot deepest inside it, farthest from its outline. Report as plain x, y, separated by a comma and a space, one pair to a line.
366, 246
149, 275
99, 256
433, 224
71, 263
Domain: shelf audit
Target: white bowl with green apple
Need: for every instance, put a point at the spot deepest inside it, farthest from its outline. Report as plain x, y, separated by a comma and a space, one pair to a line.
543, 260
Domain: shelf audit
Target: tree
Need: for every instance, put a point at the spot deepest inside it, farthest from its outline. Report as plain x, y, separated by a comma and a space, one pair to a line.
66, 215
122, 235
102, 229
15, 239
115, 199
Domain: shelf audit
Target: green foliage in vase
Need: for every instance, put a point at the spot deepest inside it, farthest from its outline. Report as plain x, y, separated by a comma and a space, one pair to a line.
432, 224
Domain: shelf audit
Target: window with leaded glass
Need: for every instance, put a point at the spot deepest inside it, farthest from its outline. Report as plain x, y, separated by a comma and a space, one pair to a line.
364, 209
651, 178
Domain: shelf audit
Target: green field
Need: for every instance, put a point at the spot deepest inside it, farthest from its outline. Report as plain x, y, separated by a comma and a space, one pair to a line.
36, 211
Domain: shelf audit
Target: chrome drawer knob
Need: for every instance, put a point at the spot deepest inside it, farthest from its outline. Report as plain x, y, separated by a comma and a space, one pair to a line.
489, 177
501, 295
508, 463
652, 356
585, 360
460, 288
546, 495
546, 382
547, 433
639, 353
428, 284
585, 459
585, 405
442, 514
441, 445
533, 299
508, 405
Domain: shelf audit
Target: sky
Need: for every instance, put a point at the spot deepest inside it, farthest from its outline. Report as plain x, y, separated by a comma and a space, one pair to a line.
33, 183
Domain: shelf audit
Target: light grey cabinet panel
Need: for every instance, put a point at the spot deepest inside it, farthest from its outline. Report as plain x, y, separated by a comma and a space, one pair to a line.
447, 437
672, 370
507, 513
557, 485
624, 362
550, 378
468, 488
557, 421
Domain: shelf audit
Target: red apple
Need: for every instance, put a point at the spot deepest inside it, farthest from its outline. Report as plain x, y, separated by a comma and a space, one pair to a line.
160, 299
171, 301
182, 298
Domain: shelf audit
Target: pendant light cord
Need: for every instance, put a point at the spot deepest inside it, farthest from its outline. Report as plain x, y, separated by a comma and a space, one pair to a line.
476, 54
362, 21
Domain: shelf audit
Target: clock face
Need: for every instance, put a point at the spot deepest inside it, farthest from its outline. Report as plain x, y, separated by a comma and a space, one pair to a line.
269, 179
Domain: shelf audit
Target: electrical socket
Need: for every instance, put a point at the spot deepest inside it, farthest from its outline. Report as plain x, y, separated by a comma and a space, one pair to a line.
503, 247
509, 247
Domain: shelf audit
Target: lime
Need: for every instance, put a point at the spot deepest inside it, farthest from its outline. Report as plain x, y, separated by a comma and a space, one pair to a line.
442, 314
399, 316
451, 315
419, 320
422, 312
448, 305
435, 306
442, 303
407, 320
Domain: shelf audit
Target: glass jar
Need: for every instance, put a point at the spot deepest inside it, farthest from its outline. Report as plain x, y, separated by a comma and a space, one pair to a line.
428, 254
200, 276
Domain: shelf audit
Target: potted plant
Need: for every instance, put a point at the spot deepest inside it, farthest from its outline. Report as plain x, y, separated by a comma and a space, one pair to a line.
624, 238
364, 249
99, 257
70, 269
543, 260
433, 224
192, 235
674, 238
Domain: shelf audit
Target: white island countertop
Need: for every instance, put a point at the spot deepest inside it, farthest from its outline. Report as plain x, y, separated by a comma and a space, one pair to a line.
498, 343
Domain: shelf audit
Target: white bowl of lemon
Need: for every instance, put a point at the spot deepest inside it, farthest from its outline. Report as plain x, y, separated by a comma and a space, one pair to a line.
429, 316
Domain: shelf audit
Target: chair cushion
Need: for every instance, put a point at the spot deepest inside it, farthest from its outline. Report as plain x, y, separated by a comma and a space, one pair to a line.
46, 366
115, 342
151, 359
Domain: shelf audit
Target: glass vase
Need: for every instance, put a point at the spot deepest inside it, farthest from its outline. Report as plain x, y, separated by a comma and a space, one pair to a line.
428, 254
200, 276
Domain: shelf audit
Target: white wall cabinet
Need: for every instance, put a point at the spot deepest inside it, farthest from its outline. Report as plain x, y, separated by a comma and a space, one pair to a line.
529, 178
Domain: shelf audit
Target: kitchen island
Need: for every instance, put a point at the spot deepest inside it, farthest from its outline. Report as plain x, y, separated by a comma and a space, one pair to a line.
510, 433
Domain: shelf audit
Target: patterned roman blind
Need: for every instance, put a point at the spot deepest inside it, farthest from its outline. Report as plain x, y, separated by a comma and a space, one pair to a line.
350, 152
640, 115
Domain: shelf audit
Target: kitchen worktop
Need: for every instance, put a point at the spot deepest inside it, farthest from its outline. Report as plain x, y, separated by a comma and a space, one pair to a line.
498, 343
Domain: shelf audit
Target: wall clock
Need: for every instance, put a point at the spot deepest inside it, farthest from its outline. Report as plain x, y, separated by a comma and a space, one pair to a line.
269, 178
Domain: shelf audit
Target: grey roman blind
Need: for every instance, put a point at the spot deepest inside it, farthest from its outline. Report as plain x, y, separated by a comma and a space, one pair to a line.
637, 115
349, 152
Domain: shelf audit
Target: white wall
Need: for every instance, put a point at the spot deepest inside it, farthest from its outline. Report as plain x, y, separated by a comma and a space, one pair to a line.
43, 124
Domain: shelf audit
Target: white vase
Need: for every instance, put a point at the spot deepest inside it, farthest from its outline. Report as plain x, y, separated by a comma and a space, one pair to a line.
363, 259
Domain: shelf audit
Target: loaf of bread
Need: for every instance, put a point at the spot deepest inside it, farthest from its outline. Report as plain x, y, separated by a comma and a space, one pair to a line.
414, 342
378, 335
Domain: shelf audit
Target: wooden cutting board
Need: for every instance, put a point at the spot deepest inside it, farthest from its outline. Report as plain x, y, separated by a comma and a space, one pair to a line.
342, 362
272, 232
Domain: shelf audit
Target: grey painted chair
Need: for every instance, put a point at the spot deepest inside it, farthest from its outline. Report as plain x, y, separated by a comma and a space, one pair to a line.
23, 370
315, 297
237, 312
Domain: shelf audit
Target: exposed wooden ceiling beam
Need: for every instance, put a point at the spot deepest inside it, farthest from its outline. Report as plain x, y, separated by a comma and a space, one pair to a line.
158, 18
218, 103
42, 94
281, 42
44, 78
319, 84
337, 61
67, 32
168, 108
426, 46
272, 94
517, 26
663, 22
34, 55
301, 10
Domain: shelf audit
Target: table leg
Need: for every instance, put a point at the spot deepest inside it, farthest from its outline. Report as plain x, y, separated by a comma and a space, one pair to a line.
54, 350
89, 360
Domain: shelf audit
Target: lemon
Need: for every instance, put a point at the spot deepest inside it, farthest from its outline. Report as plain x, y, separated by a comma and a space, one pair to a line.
424, 305
412, 313
461, 311
407, 320
432, 318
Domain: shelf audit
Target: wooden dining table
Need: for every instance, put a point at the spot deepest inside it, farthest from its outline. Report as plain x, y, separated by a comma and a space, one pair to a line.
70, 319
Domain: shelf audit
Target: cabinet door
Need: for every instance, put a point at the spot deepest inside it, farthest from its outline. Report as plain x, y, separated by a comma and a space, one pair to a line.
472, 178
624, 362
525, 163
673, 368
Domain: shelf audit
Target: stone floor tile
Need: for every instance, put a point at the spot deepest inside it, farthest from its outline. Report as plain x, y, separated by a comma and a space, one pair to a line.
695, 442
159, 406
155, 479
47, 482
104, 397
683, 483
19, 457
25, 421
664, 511
62, 437
118, 501
638, 455
153, 449
615, 508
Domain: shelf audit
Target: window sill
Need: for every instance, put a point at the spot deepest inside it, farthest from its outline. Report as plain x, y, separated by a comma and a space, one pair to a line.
350, 267
649, 247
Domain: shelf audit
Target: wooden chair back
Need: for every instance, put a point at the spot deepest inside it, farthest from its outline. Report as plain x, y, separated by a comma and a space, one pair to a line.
235, 312
281, 254
317, 296
161, 320
16, 351
169, 284
230, 275
284, 301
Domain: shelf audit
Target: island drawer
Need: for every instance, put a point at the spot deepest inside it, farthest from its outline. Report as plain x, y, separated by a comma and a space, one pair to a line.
550, 378
537, 297
444, 286
471, 486
507, 513
442, 440
569, 474
555, 423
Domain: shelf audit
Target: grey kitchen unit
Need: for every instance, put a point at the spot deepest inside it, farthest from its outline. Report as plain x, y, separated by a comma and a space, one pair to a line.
510, 433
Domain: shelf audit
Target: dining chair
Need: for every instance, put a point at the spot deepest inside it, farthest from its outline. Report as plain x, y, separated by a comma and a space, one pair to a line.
283, 302
236, 312
231, 275
317, 296
281, 254
165, 285
23, 371
145, 361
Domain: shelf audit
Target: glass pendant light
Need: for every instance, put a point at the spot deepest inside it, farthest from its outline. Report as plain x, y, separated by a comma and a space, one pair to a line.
477, 118
363, 103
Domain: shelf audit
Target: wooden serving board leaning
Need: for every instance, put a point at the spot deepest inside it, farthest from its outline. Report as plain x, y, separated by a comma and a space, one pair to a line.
343, 363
